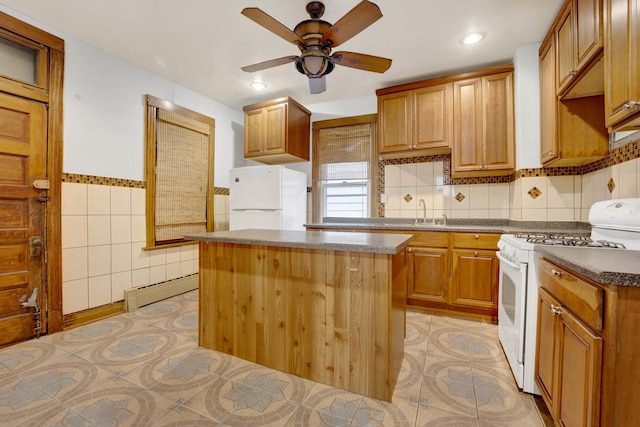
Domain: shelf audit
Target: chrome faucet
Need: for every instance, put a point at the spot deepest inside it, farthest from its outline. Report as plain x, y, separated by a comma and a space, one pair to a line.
444, 219
424, 211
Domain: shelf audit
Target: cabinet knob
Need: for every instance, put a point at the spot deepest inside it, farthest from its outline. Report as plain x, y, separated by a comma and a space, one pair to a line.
555, 272
475, 253
631, 105
477, 236
571, 72
556, 310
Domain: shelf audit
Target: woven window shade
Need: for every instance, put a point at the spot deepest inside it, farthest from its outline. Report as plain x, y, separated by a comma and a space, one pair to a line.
345, 152
181, 176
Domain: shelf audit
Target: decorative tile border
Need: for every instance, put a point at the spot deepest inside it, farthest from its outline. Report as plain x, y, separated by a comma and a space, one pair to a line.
101, 180
119, 182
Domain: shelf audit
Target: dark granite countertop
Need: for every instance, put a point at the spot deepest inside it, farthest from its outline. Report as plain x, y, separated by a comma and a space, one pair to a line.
337, 241
602, 265
453, 224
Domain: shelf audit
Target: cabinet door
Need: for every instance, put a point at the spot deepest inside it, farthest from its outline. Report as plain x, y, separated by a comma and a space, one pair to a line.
587, 37
499, 139
548, 103
545, 370
467, 128
275, 119
395, 122
427, 273
433, 119
622, 62
579, 367
475, 278
254, 133
564, 53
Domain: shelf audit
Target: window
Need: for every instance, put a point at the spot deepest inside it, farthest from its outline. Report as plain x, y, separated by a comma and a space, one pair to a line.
343, 155
179, 172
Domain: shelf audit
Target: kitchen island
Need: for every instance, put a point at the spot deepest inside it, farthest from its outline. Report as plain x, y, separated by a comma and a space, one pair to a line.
329, 307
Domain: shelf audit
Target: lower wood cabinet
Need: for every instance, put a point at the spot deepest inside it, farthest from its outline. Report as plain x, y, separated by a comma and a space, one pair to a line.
569, 365
454, 273
588, 347
427, 274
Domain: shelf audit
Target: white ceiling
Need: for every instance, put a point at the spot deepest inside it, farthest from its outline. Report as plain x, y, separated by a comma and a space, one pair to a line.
201, 44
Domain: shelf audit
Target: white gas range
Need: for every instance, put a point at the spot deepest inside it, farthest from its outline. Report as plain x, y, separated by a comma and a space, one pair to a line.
614, 224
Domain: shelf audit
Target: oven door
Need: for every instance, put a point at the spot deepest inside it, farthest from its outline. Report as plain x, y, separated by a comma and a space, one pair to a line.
511, 313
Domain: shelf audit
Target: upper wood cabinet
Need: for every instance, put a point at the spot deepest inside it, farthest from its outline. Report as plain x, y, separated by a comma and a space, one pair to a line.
572, 131
622, 64
415, 120
483, 117
468, 114
578, 32
277, 131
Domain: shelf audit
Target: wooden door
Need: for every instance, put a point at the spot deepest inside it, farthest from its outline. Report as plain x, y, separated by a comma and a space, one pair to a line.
23, 145
579, 366
254, 128
394, 122
475, 278
499, 134
433, 118
466, 153
427, 273
548, 103
276, 129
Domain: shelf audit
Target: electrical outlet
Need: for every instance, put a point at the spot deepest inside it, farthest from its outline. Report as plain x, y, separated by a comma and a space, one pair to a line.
383, 198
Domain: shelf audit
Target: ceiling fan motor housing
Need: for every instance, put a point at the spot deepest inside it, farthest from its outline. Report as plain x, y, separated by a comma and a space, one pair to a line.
315, 60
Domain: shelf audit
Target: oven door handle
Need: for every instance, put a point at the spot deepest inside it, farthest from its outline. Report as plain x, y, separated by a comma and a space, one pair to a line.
508, 262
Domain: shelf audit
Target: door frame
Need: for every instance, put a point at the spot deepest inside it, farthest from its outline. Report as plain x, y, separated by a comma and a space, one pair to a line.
49, 92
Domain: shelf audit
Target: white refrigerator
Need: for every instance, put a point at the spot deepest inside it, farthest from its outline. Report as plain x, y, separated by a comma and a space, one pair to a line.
271, 197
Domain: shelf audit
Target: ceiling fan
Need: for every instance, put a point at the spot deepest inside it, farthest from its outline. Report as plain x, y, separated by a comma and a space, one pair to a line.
315, 38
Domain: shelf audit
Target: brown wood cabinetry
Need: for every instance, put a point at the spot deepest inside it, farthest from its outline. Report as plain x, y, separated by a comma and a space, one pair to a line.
483, 117
277, 131
579, 40
622, 64
572, 131
469, 114
416, 120
454, 272
587, 346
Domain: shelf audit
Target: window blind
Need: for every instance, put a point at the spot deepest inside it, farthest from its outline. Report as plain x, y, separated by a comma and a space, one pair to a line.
344, 153
182, 171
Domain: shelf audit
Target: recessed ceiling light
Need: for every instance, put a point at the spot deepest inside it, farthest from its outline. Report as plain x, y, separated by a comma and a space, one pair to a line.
472, 38
258, 85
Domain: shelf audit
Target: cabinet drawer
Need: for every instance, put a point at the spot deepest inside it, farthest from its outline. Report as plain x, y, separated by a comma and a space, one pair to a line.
584, 300
476, 240
434, 239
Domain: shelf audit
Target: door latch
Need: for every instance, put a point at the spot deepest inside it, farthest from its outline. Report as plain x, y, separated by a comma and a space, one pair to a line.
35, 246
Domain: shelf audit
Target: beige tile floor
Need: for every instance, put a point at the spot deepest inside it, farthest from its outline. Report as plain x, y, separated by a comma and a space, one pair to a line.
145, 369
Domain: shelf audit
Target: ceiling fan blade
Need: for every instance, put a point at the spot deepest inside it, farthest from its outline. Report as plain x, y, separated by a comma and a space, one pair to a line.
357, 19
318, 85
261, 18
361, 61
268, 64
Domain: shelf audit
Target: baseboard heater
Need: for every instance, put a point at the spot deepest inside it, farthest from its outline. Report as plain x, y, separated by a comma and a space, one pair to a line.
139, 297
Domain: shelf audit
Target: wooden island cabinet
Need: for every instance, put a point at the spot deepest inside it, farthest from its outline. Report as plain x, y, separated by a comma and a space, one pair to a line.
329, 307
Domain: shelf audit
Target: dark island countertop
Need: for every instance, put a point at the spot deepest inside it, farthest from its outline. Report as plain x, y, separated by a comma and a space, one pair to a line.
335, 240
602, 265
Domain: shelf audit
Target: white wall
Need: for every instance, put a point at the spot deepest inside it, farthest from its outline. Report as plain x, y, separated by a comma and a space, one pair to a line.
527, 106
104, 113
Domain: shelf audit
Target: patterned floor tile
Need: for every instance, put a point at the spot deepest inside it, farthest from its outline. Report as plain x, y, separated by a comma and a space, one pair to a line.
251, 395
145, 368
429, 416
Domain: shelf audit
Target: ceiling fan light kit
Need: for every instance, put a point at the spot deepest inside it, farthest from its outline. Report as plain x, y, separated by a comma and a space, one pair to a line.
315, 38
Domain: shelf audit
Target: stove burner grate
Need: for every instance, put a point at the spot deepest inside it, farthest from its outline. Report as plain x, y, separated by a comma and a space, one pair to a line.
568, 240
